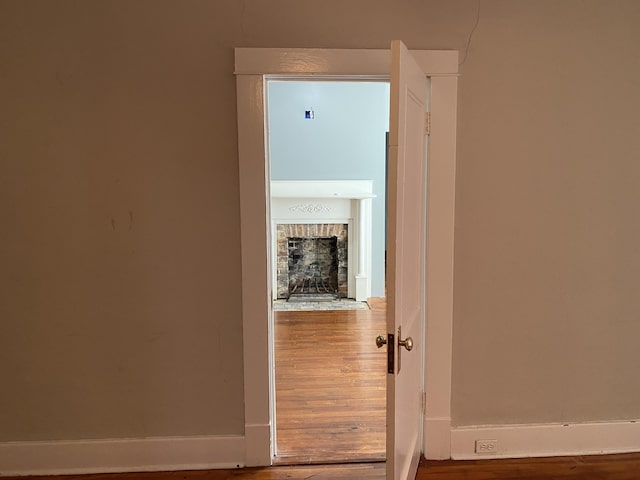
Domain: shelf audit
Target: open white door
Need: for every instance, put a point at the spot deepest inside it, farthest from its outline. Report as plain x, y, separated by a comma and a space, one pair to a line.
405, 284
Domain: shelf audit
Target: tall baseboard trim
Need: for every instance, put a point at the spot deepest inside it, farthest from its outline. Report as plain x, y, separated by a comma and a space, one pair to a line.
121, 455
542, 440
437, 438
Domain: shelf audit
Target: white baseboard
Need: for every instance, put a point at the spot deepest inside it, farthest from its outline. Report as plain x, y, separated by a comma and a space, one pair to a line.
542, 440
437, 438
121, 455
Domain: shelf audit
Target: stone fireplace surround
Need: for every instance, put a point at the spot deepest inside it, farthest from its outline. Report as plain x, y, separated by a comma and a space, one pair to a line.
322, 203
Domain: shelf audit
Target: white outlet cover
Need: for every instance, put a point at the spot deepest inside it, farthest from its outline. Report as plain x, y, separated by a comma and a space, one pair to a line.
484, 447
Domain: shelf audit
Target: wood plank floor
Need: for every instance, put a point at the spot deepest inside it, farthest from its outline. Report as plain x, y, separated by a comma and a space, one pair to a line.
587, 467
330, 385
596, 467
374, 471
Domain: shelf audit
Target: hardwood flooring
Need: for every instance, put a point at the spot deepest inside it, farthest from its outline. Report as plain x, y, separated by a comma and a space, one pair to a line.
596, 467
587, 467
375, 471
330, 385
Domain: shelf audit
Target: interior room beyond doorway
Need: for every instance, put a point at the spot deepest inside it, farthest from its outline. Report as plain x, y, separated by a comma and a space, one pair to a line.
330, 396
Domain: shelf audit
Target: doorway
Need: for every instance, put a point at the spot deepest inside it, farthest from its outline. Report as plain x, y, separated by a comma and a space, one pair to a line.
327, 154
252, 67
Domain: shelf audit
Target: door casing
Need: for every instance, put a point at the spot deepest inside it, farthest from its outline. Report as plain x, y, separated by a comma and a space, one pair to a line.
252, 67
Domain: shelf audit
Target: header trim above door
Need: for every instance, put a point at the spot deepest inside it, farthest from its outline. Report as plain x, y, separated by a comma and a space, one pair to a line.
316, 61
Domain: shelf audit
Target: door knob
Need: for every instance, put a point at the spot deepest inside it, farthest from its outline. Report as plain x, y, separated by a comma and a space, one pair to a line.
407, 343
380, 341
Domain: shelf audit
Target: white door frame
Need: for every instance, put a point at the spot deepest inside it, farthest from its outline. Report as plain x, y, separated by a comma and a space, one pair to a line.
252, 65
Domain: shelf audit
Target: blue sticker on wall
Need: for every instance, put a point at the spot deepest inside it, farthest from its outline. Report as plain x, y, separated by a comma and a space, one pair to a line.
309, 114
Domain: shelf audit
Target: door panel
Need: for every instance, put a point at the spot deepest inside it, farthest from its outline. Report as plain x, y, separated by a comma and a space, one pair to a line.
405, 285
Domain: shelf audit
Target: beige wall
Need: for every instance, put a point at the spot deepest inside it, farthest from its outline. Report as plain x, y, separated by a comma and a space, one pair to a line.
119, 305
547, 233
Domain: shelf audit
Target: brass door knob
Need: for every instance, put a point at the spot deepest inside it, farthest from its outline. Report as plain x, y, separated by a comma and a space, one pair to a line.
380, 341
408, 343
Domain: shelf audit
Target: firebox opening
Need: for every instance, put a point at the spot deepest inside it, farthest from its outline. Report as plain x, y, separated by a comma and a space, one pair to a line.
313, 268
312, 262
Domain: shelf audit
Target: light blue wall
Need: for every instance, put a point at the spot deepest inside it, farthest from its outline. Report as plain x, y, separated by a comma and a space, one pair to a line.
345, 141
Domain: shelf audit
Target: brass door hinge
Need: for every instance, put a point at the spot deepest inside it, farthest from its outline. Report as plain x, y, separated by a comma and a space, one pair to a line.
427, 123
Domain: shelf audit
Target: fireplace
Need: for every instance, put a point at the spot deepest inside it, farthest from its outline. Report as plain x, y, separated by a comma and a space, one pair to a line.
321, 233
312, 261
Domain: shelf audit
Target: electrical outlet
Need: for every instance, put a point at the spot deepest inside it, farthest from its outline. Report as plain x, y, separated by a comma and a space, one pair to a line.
486, 446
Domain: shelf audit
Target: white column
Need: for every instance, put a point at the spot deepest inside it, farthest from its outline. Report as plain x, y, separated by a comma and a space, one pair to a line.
362, 279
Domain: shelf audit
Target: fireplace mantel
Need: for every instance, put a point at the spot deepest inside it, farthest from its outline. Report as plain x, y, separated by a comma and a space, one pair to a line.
330, 201
350, 189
